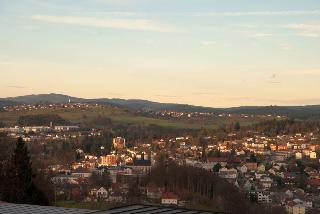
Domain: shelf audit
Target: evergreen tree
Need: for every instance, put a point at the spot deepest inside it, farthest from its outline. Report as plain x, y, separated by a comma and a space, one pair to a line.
237, 126
216, 167
19, 185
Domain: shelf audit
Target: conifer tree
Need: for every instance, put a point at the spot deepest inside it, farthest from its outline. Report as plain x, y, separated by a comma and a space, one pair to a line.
19, 185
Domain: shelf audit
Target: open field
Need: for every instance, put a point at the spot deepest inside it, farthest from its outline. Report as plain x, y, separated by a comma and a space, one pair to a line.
122, 116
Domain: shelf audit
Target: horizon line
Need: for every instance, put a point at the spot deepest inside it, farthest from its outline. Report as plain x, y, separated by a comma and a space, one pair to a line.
128, 99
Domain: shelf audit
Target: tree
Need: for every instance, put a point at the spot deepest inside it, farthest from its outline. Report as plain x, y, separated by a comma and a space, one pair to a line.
100, 180
237, 126
19, 186
253, 158
216, 167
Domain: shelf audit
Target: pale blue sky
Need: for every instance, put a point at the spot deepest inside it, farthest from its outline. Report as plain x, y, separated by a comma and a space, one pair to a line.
203, 52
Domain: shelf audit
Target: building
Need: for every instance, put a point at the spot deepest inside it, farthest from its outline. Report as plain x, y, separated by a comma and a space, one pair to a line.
298, 155
228, 173
66, 128
108, 160
154, 192
313, 155
263, 197
141, 166
169, 198
251, 166
293, 208
64, 179
81, 173
99, 193
36, 129
119, 143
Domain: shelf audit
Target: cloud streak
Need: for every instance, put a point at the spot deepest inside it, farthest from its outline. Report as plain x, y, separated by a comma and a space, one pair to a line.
261, 13
125, 24
308, 30
17, 86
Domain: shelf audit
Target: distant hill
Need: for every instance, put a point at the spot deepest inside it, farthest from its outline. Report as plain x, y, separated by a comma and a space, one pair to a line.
5, 102
44, 98
137, 104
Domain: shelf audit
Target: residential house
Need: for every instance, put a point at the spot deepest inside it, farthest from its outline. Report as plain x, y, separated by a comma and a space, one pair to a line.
169, 198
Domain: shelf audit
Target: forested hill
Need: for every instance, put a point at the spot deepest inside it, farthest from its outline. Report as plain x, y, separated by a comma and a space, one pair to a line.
304, 112
5, 102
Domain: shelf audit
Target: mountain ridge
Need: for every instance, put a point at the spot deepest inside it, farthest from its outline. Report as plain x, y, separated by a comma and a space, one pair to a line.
307, 111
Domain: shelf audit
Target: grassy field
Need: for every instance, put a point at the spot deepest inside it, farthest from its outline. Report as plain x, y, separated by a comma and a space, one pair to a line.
120, 116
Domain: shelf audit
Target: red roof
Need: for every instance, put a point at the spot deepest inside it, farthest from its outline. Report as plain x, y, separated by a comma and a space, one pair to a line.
169, 195
223, 159
217, 159
155, 189
314, 182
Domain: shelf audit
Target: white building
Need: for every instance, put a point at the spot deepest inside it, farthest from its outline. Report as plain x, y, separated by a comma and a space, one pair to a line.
264, 197
313, 155
228, 173
66, 128
298, 155
169, 198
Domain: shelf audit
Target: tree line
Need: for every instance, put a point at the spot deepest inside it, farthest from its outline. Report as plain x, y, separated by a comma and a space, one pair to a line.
196, 183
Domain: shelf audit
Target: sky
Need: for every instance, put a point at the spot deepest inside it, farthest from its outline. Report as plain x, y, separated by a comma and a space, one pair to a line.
217, 53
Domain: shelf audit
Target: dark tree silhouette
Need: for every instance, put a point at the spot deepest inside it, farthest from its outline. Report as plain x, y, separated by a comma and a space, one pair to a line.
18, 179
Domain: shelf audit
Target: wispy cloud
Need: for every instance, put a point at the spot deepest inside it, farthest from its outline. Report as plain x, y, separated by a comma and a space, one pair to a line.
285, 46
166, 96
204, 93
261, 13
127, 24
257, 35
308, 30
5, 62
17, 86
119, 2
208, 42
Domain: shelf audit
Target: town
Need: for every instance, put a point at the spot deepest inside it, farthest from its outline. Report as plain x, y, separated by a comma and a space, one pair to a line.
280, 170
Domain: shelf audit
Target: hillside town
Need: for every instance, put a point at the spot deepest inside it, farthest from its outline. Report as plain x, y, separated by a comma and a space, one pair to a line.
282, 170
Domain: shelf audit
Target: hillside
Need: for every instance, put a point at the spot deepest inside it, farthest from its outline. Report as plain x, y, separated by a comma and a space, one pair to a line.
302, 112
118, 115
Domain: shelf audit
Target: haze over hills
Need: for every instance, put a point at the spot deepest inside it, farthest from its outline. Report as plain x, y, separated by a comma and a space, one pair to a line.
308, 111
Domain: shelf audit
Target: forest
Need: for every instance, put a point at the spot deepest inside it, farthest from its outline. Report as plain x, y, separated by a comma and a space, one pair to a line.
204, 188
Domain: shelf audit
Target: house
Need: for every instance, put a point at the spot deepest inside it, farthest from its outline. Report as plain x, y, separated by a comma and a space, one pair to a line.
228, 173
99, 193
108, 160
251, 165
115, 171
81, 173
261, 168
221, 160
263, 197
313, 155
169, 198
66, 128
298, 155
266, 182
141, 166
295, 208
119, 143
64, 179
243, 169
154, 192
